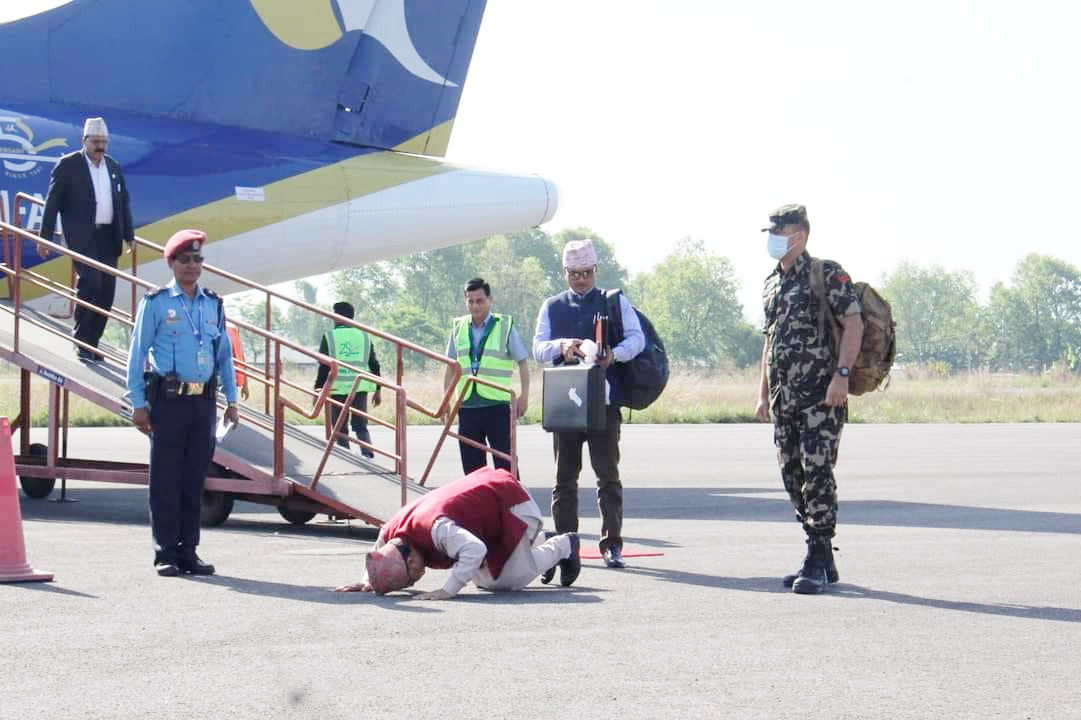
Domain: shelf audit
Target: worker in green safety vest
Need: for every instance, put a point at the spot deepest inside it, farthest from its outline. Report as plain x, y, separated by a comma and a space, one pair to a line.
351, 345
486, 345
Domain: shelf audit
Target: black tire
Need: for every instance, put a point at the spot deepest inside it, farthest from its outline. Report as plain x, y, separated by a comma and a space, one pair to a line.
297, 517
216, 507
36, 487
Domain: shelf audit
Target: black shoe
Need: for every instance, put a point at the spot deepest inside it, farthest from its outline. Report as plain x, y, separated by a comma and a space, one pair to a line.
87, 357
167, 569
368, 454
547, 575
832, 575
569, 568
195, 566
613, 558
813, 578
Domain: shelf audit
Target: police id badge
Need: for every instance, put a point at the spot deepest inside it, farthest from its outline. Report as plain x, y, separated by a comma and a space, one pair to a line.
203, 359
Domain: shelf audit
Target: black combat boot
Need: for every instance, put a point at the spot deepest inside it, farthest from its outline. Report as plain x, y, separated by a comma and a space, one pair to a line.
831, 568
815, 574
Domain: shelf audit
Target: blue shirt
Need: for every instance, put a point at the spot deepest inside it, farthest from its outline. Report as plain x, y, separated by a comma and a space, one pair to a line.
171, 332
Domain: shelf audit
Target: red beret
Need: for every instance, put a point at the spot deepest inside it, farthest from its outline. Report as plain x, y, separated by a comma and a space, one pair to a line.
184, 240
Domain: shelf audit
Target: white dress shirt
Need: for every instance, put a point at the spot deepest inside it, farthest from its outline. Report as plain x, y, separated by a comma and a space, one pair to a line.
103, 190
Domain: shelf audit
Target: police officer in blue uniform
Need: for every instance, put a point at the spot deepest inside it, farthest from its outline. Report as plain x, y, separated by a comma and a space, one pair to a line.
180, 337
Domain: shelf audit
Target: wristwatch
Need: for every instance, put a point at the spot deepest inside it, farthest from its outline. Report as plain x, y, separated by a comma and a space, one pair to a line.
843, 372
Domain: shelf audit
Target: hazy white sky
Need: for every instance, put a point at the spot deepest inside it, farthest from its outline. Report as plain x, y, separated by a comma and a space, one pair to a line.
940, 131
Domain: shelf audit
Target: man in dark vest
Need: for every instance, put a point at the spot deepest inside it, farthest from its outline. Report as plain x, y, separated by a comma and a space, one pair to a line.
564, 321
88, 190
352, 345
483, 526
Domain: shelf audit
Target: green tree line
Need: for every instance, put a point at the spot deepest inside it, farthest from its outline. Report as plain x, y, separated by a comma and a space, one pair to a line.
1031, 323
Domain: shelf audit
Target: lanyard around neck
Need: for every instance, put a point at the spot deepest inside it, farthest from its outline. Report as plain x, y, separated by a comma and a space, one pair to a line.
187, 313
475, 355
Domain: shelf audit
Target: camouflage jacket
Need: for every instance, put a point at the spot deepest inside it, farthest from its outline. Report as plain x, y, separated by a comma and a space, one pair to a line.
800, 360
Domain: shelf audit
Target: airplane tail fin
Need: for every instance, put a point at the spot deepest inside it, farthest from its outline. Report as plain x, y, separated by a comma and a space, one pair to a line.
386, 74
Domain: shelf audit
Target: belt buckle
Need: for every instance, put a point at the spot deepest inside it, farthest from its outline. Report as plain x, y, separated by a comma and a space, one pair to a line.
193, 388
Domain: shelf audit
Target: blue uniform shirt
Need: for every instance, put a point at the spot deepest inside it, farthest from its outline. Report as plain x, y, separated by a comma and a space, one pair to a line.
171, 332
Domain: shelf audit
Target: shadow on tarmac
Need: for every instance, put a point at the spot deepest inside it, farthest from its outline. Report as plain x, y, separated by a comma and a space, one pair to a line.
394, 601
728, 503
855, 592
51, 587
128, 505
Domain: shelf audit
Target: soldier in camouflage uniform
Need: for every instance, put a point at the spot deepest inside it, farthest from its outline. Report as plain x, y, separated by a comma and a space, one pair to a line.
804, 385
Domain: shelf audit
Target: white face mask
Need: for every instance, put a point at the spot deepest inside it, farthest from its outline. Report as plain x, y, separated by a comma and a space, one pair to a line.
777, 246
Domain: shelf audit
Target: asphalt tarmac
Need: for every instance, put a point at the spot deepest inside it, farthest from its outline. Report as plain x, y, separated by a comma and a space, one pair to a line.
960, 596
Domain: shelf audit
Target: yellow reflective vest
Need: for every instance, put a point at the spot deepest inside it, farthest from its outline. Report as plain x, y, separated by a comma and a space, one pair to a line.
496, 364
353, 346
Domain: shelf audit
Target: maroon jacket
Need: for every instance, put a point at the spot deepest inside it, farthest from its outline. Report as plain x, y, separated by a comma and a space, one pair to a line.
480, 502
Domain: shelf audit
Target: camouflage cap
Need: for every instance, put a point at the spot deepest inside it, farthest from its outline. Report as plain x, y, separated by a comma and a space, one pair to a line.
786, 215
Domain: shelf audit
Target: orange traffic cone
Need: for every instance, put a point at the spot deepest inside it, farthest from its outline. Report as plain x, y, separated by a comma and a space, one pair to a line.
13, 567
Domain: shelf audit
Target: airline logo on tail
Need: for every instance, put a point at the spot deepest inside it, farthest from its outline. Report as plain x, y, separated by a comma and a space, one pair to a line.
315, 25
19, 156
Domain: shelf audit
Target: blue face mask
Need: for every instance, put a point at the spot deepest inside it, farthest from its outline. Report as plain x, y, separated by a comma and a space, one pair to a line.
777, 246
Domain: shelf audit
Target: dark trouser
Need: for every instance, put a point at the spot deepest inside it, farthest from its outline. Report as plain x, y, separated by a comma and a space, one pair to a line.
807, 443
359, 423
487, 425
604, 456
179, 456
95, 287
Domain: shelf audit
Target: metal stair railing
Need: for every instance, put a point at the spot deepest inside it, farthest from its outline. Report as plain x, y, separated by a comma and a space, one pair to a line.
271, 377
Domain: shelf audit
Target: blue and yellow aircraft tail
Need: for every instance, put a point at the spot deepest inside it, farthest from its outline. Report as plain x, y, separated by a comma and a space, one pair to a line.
301, 135
383, 74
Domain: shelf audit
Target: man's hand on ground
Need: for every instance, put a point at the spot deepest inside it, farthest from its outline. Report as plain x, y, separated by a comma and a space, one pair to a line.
436, 595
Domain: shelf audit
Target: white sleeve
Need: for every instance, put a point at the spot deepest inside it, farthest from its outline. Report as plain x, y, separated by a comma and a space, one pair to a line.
545, 348
462, 546
634, 340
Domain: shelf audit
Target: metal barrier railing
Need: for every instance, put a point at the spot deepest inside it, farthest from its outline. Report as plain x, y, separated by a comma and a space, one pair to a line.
271, 377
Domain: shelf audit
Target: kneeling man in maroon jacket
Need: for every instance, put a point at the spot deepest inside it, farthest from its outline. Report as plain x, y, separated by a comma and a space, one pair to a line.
482, 526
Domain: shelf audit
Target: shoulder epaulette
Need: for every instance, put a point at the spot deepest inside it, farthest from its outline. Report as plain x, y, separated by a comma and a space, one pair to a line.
155, 292
211, 293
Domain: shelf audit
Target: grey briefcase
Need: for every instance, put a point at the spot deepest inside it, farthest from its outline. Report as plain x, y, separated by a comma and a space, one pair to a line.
573, 399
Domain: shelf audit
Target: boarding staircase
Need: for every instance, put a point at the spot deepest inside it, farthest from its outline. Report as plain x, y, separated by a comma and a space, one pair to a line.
264, 459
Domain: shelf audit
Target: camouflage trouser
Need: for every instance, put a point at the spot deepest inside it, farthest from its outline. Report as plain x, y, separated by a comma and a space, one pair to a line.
807, 442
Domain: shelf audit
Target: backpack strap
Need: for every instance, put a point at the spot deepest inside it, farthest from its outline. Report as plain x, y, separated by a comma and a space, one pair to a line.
615, 316
818, 291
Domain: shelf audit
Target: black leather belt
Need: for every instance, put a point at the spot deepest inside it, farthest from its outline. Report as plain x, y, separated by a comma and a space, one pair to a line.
99, 226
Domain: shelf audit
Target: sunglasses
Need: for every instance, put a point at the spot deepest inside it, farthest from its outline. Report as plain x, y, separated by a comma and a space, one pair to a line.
185, 259
580, 274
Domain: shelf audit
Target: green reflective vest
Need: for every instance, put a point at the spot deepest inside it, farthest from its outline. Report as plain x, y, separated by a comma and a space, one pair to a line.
496, 364
353, 346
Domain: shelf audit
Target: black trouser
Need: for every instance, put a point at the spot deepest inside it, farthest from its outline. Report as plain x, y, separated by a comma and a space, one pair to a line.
489, 426
95, 287
359, 423
604, 456
179, 456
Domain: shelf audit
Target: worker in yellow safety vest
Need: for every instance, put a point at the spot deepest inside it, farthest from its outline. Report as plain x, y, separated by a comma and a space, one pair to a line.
353, 346
486, 345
